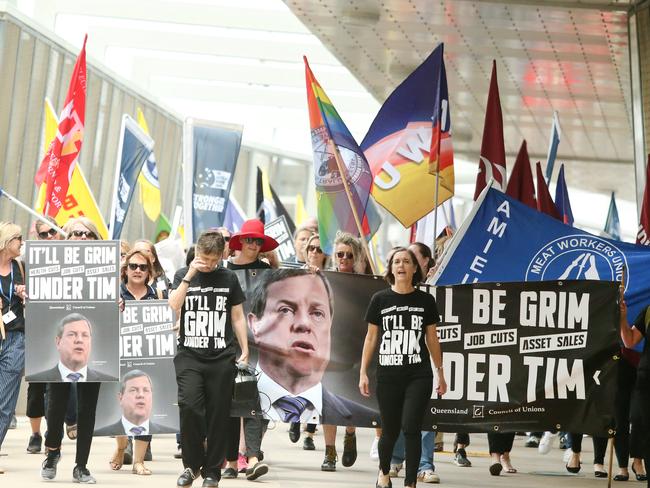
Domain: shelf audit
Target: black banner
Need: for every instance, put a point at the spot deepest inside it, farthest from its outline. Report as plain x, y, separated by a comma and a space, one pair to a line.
528, 356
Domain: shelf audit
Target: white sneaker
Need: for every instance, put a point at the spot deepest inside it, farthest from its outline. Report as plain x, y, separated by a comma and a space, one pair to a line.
567, 455
394, 470
546, 443
428, 476
374, 449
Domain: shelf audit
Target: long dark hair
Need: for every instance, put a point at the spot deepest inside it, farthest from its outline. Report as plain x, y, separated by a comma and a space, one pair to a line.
390, 278
426, 252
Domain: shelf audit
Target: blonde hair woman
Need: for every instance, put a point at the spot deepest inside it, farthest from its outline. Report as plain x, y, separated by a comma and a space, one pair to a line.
12, 326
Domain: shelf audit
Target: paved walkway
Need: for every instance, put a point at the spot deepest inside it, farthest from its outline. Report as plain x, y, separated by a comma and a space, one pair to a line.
292, 467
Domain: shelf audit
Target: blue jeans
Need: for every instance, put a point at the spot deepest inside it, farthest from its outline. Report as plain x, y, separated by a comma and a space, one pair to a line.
428, 444
426, 458
12, 362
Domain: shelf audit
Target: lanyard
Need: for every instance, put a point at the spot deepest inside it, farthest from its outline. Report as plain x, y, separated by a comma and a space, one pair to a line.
11, 285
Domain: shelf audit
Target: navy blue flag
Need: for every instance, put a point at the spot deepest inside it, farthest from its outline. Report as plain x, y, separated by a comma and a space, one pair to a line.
562, 198
211, 152
504, 240
134, 150
552, 147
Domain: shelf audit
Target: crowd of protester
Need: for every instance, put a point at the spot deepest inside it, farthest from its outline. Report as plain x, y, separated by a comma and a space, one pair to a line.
214, 445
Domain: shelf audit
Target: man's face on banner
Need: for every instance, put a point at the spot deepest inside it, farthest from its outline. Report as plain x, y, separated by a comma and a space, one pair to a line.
75, 344
293, 334
137, 400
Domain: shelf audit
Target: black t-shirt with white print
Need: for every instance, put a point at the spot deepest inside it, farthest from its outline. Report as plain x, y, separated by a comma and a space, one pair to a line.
402, 319
206, 320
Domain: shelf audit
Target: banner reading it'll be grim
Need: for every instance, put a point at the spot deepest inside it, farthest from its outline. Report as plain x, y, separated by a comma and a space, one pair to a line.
527, 356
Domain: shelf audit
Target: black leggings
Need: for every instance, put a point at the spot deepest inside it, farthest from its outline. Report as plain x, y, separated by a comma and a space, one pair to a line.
600, 446
500, 443
402, 404
254, 430
639, 413
627, 443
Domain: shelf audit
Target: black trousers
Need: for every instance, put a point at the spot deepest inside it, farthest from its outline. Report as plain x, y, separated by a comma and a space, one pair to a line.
401, 407
639, 414
36, 400
500, 442
626, 443
462, 438
600, 446
204, 399
254, 430
57, 404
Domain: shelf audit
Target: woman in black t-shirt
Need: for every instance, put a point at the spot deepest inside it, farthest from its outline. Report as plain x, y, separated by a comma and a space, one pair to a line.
404, 318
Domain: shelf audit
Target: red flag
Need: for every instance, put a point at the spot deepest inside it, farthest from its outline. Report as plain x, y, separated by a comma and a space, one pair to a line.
643, 236
520, 184
492, 163
544, 201
59, 161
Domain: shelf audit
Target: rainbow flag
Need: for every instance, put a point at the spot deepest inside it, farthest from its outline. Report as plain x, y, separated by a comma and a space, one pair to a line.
331, 140
409, 142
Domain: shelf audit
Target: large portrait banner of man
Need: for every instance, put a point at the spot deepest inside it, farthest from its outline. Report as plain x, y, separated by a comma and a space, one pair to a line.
306, 333
72, 312
144, 402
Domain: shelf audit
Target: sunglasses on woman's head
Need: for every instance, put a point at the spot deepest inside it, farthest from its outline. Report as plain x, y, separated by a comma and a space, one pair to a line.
84, 233
44, 234
311, 248
134, 266
346, 255
253, 240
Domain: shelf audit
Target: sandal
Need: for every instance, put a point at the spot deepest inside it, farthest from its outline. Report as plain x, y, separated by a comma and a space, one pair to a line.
140, 469
117, 461
71, 431
507, 466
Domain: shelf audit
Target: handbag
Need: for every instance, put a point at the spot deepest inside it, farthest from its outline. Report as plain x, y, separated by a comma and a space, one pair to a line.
245, 395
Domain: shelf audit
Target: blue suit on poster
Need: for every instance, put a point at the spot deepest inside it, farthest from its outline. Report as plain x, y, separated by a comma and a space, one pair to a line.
504, 240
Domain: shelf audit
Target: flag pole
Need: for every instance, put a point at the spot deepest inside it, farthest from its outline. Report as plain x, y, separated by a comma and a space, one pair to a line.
33, 212
435, 215
339, 164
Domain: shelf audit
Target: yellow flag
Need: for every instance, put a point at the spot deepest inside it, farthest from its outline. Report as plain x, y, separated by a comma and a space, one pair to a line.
301, 211
79, 200
148, 179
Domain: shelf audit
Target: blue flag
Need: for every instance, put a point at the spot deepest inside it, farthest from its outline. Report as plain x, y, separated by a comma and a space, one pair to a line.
552, 147
211, 152
613, 224
134, 149
504, 240
562, 198
235, 216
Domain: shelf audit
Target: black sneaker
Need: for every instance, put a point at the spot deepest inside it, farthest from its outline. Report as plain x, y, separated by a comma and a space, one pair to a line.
210, 482
48, 469
80, 474
178, 454
294, 432
35, 443
186, 478
260, 469
532, 441
329, 463
229, 473
349, 449
460, 458
308, 444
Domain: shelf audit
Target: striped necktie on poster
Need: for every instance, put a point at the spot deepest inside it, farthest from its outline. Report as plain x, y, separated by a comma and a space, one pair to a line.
292, 407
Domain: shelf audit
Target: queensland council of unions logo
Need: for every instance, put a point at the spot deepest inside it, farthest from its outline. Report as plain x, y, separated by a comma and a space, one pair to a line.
578, 257
328, 177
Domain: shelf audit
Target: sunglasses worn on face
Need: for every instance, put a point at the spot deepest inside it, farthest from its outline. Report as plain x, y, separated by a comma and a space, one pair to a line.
134, 266
253, 240
226, 238
47, 233
83, 233
311, 248
346, 255
20, 238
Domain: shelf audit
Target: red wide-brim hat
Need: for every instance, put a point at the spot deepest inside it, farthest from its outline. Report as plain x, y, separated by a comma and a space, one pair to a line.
252, 228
